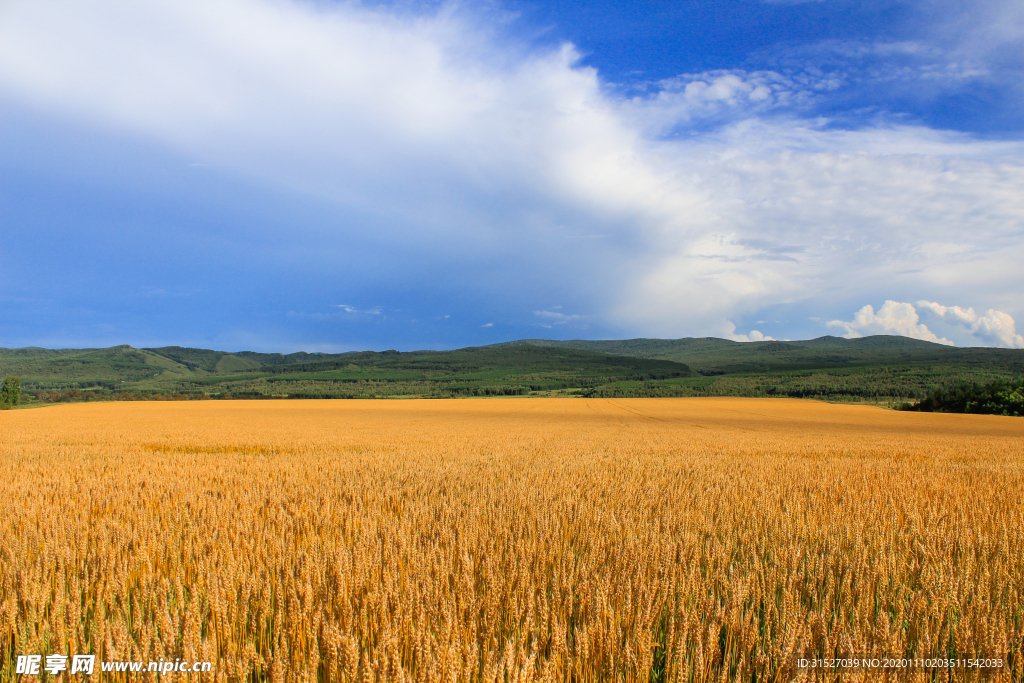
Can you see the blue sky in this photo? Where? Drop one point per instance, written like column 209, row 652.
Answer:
column 280, row 175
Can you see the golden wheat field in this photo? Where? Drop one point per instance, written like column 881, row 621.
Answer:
column 511, row 540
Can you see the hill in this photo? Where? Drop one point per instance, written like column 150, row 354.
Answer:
column 222, row 361
column 79, row 368
column 877, row 369
column 881, row 369
column 709, row 355
column 77, row 374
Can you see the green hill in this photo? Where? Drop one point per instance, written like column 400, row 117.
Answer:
column 99, row 373
column 83, row 368
column 881, row 369
column 708, row 355
column 221, row 361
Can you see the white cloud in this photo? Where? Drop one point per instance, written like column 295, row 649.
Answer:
column 755, row 335
column 367, row 311
column 714, row 95
column 551, row 318
column 995, row 327
column 557, row 318
column 800, row 211
column 464, row 146
column 752, row 336
column 892, row 318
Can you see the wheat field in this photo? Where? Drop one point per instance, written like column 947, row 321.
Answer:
column 511, row 540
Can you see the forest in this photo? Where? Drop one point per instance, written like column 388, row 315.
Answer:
column 891, row 371
column 996, row 398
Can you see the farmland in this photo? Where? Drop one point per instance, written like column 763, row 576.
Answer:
column 715, row 539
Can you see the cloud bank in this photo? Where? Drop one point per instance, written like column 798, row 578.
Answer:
column 995, row 328
column 674, row 212
column 894, row 318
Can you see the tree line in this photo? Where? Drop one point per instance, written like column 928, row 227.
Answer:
column 995, row 398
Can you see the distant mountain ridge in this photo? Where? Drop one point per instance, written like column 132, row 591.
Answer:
column 827, row 367
column 473, row 371
column 658, row 346
column 219, row 361
column 711, row 355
